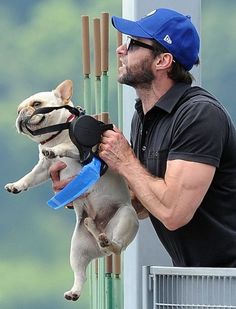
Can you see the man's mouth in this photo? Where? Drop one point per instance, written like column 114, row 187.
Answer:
column 122, row 67
column 122, row 62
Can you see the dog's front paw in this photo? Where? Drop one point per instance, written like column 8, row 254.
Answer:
column 14, row 188
column 49, row 153
column 89, row 223
column 72, row 295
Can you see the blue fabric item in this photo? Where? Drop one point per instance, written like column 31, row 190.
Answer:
column 86, row 178
column 171, row 29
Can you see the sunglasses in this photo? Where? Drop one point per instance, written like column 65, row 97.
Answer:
column 130, row 43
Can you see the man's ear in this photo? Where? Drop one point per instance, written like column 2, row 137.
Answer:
column 163, row 61
column 64, row 91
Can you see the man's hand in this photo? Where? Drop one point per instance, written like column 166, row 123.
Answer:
column 117, row 153
column 115, row 150
column 54, row 171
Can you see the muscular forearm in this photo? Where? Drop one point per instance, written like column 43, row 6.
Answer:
column 174, row 199
column 150, row 191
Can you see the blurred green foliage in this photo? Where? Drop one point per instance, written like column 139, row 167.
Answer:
column 40, row 47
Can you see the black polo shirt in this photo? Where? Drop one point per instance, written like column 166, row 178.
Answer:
column 188, row 123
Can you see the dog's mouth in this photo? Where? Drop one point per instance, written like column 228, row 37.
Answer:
column 31, row 123
column 35, row 121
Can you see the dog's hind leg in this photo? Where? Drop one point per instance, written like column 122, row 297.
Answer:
column 79, row 268
column 83, row 250
column 92, row 229
column 103, row 242
column 122, row 228
column 106, row 242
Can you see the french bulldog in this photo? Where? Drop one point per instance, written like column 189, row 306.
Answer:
column 106, row 222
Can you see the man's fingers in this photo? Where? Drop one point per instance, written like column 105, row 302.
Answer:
column 116, row 129
column 109, row 133
column 57, row 186
column 55, row 170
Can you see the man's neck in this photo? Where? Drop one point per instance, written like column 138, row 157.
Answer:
column 149, row 96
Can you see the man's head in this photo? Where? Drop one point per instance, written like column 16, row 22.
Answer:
column 174, row 31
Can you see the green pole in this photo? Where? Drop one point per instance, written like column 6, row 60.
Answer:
column 108, row 282
column 108, row 290
column 118, row 302
column 117, row 283
column 101, row 283
column 97, row 63
column 105, row 118
column 95, row 285
column 89, row 108
column 104, row 65
column 98, row 95
column 104, row 96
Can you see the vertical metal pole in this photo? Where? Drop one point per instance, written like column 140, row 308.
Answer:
column 89, row 109
column 108, row 282
column 101, row 283
column 105, row 119
column 147, row 291
column 119, row 87
column 94, row 291
column 86, row 64
column 97, row 63
column 117, row 284
column 104, row 65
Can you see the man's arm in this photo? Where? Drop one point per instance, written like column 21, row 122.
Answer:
column 174, row 199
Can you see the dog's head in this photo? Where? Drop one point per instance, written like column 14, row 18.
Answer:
column 57, row 97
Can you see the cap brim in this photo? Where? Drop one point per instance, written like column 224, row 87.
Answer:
column 129, row 27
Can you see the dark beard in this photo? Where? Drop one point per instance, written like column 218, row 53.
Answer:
column 139, row 76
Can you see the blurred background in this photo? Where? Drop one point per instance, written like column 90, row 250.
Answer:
column 40, row 47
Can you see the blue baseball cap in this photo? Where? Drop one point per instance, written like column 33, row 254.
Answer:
column 171, row 29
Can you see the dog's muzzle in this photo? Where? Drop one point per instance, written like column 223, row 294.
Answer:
column 25, row 120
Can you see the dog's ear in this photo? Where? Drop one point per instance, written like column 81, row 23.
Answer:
column 64, row 91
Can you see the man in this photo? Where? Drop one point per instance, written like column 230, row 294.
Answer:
column 181, row 165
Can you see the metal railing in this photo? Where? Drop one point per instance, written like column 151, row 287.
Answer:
column 174, row 287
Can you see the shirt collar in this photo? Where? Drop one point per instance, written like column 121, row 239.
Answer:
column 168, row 101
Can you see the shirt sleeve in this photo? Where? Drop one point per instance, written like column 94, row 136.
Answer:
column 199, row 133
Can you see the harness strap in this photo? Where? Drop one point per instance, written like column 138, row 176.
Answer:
column 58, row 127
column 55, row 135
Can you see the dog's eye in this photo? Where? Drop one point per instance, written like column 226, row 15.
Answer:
column 36, row 104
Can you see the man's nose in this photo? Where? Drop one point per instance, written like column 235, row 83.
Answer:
column 122, row 49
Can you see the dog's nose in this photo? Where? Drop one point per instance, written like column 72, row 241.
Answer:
column 26, row 111
column 23, row 116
